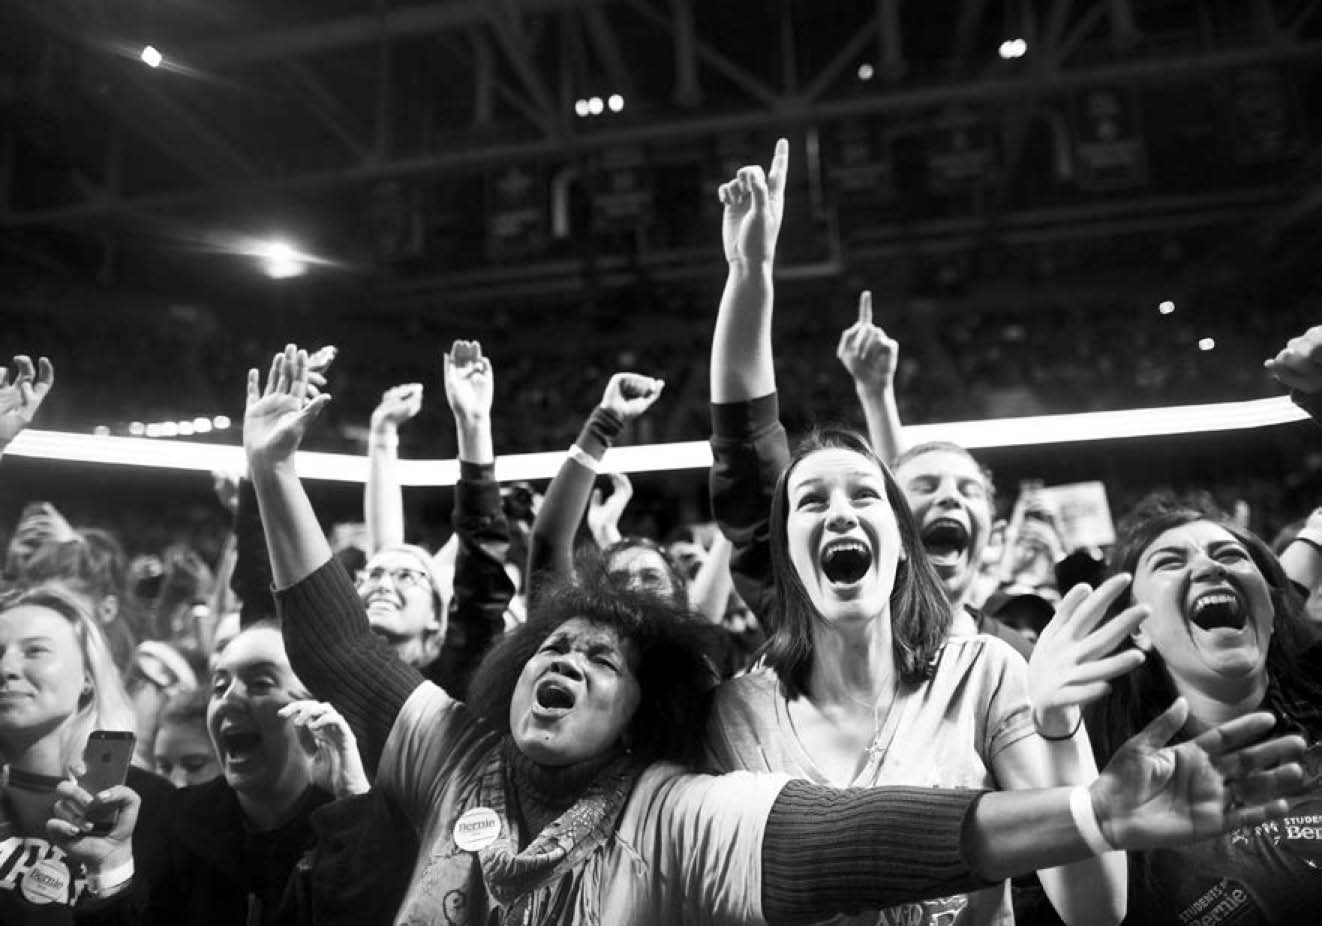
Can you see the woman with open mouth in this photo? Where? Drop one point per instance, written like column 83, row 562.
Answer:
column 1226, row 631
column 862, row 683
column 559, row 795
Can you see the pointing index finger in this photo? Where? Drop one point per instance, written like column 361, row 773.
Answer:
column 865, row 307
column 780, row 162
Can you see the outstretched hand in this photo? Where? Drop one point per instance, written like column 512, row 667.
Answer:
column 1299, row 363
column 1152, row 795
column 21, row 396
column 327, row 737
column 1070, row 665
column 754, row 205
column 604, row 513
column 469, row 381
column 630, row 394
column 276, row 419
column 866, row 352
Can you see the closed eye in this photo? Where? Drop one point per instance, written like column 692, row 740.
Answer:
column 1166, row 562
column 923, row 484
column 809, row 501
column 1232, row 555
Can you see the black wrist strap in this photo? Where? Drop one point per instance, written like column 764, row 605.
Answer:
column 1063, row 737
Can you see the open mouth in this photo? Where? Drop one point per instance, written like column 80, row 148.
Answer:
column 553, row 696
column 238, row 744
column 1218, row 609
column 845, row 562
column 945, row 541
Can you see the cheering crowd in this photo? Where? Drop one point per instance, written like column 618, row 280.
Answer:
column 809, row 716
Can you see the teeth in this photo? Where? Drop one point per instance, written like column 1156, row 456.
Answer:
column 845, row 545
column 1216, row 599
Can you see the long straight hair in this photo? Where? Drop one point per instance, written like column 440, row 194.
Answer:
column 920, row 612
column 106, row 706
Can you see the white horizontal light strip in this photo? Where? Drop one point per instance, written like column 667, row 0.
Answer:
column 999, row 432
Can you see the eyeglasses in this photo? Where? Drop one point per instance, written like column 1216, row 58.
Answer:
column 402, row 578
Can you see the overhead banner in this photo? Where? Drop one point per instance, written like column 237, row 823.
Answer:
column 516, row 201
column 859, row 163
column 622, row 188
column 1265, row 121
column 1109, row 149
column 961, row 152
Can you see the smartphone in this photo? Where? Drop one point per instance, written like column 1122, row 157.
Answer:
column 106, row 764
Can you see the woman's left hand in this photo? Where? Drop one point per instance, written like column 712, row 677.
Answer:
column 71, row 828
column 1070, row 666
column 336, row 765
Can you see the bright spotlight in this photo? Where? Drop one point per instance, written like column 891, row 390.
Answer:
column 151, row 57
column 281, row 260
column 1013, row 48
column 202, row 425
column 169, row 429
column 1166, row 307
column 581, row 108
column 137, row 428
column 865, row 71
column 1206, row 344
column 153, row 430
column 596, row 106
column 101, row 431
column 616, row 103
column 221, row 422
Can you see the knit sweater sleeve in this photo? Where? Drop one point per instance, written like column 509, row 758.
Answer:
column 904, row 845
column 749, row 451
column 333, row 650
column 551, row 548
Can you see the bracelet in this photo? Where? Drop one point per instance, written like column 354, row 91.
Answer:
column 106, row 882
column 1085, row 821
column 1299, row 538
column 1059, row 739
column 583, row 458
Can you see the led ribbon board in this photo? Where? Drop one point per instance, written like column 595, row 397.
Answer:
column 999, row 432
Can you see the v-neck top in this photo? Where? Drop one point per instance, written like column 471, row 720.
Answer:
column 942, row 733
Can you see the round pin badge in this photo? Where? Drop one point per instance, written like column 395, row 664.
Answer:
column 476, row 829
column 46, row 882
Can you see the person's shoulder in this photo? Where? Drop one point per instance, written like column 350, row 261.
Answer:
column 754, row 690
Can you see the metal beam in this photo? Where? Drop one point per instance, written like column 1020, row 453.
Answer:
column 862, row 37
column 607, row 48
column 508, row 26
column 328, row 110
column 352, row 31
column 793, row 111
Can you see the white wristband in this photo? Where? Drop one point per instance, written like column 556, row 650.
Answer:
column 583, row 458
column 108, row 881
column 1085, row 820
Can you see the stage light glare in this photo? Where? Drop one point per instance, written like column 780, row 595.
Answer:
column 202, row 425
column 151, row 57
column 1206, row 344
column 284, row 269
column 153, row 430
column 1166, row 307
column 615, row 102
column 865, row 71
column 221, row 422
column 596, row 106
column 1013, row 48
column 137, row 428
column 169, row 429
column 581, row 108
column 101, row 431
column 185, row 428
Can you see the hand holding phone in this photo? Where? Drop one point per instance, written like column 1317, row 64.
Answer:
column 106, row 761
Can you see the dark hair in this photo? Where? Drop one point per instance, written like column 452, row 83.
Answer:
column 94, row 559
column 679, row 583
column 1137, row 698
column 920, row 611
column 674, row 670
column 945, row 446
column 187, row 707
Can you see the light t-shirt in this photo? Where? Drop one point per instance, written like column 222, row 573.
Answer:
column 687, row 848
column 943, row 733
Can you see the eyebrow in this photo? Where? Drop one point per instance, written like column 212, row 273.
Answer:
column 1215, row 546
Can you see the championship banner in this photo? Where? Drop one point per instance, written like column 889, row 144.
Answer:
column 961, row 152
column 859, row 163
column 1265, row 121
column 622, row 189
column 1109, row 149
column 516, row 205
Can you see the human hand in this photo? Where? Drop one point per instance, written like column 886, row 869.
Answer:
column 398, row 404
column 1298, row 365
column 754, row 205
column 1151, row 795
column 325, row 734
column 21, row 396
column 866, row 352
column 604, row 514
column 226, row 486
column 71, row 827
column 1070, row 665
column 469, row 381
column 275, row 420
column 630, row 394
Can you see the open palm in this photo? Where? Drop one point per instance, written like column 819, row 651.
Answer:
column 275, row 420
column 21, row 396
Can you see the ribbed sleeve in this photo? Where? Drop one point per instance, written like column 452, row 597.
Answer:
column 831, row 851
column 333, row 650
column 749, row 451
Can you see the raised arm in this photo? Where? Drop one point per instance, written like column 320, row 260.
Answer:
column 604, row 512
column 331, row 646
column 22, row 390
column 1298, row 367
column 383, row 499
column 1302, row 557
column 749, row 446
column 871, row 357
column 551, row 547
column 482, row 587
